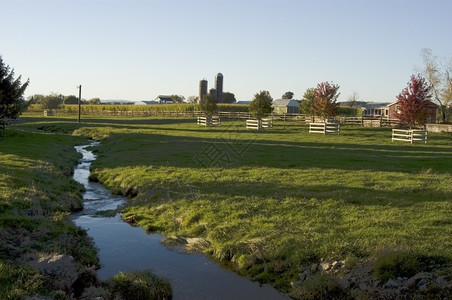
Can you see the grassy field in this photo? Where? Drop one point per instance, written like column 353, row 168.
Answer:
column 273, row 202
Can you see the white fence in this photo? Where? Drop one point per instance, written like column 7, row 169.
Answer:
column 324, row 128
column 209, row 121
column 409, row 135
column 259, row 124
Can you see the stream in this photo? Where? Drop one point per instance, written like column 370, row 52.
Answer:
column 127, row 249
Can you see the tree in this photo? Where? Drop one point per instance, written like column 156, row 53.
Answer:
column 192, row 99
column 71, row 99
column 94, row 101
column 52, row 101
column 287, row 95
column 35, row 99
column 261, row 106
column 228, row 97
column 440, row 79
column 177, row 98
column 352, row 101
column 208, row 105
column 12, row 91
column 414, row 102
column 325, row 97
column 307, row 101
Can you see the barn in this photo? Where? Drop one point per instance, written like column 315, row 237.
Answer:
column 286, row 106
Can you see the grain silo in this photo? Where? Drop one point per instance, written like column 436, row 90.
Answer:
column 219, row 86
column 202, row 89
column 213, row 93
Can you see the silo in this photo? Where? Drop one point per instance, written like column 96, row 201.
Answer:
column 202, row 89
column 219, row 86
column 213, row 93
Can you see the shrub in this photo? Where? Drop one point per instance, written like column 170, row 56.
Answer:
column 393, row 264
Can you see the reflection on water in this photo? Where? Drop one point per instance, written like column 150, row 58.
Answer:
column 126, row 248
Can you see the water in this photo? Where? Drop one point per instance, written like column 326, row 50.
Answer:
column 126, row 248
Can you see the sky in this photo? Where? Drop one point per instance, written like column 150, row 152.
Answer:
column 136, row 49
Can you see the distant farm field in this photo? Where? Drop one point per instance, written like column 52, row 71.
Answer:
column 275, row 201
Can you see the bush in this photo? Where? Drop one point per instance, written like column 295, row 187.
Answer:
column 393, row 264
column 139, row 285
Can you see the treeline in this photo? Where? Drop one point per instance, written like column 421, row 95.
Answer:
column 55, row 101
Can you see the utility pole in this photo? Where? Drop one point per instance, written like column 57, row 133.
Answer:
column 79, row 101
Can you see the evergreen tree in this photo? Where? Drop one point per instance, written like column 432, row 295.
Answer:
column 12, row 91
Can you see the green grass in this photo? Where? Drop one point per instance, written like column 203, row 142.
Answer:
column 276, row 201
column 37, row 195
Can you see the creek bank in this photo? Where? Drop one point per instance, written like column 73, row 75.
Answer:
column 360, row 282
column 124, row 248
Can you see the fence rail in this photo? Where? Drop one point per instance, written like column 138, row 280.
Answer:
column 209, row 121
column 259, row 124
column 324, row 128
column 409, row 135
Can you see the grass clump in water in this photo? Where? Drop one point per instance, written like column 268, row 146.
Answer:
column 139, row 286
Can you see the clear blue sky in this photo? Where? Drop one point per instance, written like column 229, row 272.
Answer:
column 136, row 50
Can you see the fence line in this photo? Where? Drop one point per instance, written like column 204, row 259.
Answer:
column 237, row 115
column 409, row 135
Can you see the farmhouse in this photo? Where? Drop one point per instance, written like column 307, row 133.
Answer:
column 164, row 99
column 375, row 109
column 394, row 111
column 286, row 106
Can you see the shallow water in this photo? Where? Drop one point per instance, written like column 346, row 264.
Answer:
column 126, row 248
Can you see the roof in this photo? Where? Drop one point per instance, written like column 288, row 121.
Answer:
column 285, row 102
column 243, row 102
column 374, row 105
column 164, row 97
column 431, row 104
column 146, row 102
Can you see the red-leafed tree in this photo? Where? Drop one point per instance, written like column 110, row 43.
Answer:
column 325, row 97
column 414, row 102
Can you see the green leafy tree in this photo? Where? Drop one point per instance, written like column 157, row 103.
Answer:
column 228, row 97
column 287, row 95
column 35, row 99
column 71, row 99
column 177, row 98
column 325, row 97
column 52, row 101
column 208, row 105
column 261, row 106
column 307, row 101
column 12, row 91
